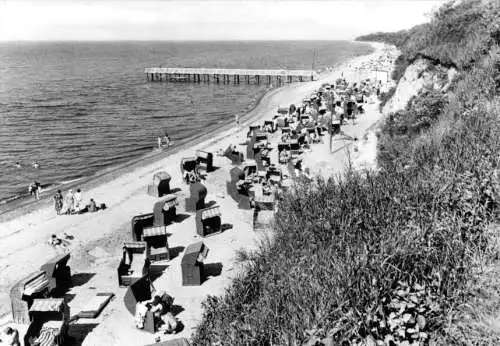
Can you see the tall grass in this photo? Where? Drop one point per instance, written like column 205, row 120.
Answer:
column 382, row 256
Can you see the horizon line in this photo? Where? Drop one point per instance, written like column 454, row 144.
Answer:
column 180, row 40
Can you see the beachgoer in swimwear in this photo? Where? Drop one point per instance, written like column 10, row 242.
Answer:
column 35, row 164
column 159, row 142
column 17, row 165
column 58, row 202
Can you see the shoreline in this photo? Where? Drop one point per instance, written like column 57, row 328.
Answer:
column 123, row 190
column 16, row 206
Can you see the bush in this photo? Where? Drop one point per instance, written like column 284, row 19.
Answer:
column 383, row 256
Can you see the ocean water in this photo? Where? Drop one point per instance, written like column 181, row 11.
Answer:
column 80, row 107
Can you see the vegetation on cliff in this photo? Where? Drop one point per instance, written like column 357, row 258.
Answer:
column 382, row 257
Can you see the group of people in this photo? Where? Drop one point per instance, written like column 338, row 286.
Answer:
column 73, row 203
column 161, row 308
column 164, row 141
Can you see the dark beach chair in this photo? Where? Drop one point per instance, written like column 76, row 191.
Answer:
column 196, row 199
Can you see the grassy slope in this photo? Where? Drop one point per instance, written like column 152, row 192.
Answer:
column 385, row 256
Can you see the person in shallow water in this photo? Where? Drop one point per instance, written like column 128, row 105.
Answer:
column 17, row 164
column 35, row 164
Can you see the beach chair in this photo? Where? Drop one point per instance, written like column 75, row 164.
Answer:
column 58, row 274
column 263, row 211
column 205, row 160
column 250, row 168
column 259, row 161
column 135, row 263
column 140, row 291
column 294, row 148
column 165, row 211
column 157, row 243
column 208, row 221
column 269, row 126
column 196, row 199
column 260, row 137
column 240, row 195
column 235, row 156
column 190, row 166
column 24, row 292
column 252, row 148
column 160, row 185
column 139, row 222
column 274, row 175
column 252, row 129
column 49, row 322
column 192, row 264
column 284, row 152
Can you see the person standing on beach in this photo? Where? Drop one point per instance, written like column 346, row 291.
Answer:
column 77, row 200
column 58, row 202
column 159, row 142
column 34, row 189
column 237, row 120
column 69, row 201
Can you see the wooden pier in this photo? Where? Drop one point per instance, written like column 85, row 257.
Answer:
column 197, row 75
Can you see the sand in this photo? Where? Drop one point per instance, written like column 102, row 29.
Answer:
column 97, row 245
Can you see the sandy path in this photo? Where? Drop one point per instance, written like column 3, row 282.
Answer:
column 98, row 236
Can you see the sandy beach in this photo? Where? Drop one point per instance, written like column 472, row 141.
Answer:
column 98, row 237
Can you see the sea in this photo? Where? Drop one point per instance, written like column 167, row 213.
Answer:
column 78, row 108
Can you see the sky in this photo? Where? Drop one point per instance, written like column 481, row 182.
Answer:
column 103, row 20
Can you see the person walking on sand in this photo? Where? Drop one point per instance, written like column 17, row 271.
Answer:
column 58, row 202
column 159, row 142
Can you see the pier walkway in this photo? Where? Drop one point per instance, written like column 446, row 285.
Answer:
column 197, row 75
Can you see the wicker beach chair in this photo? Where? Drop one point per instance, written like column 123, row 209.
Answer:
column 135, row 263
column 58, row 274
column 205, row 160
column 236, row 157
column 49, row 322
column 160, row 185
column 192, row 264
column 208, row 221
column 24, row 292
column 263, row 211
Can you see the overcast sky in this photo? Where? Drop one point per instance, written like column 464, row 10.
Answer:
column 206, row 20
